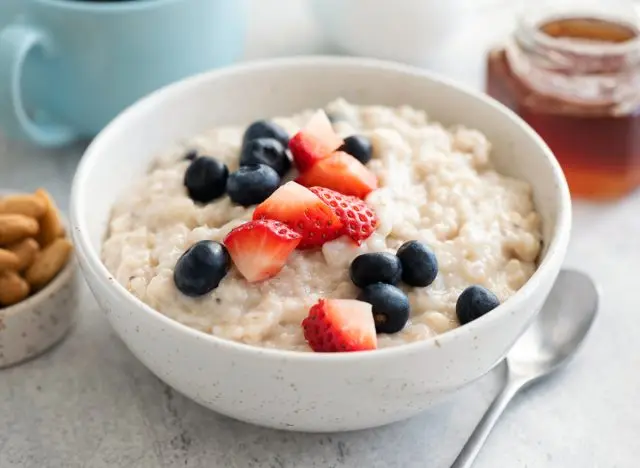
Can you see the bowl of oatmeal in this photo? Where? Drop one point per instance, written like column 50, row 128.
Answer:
column 319, row 257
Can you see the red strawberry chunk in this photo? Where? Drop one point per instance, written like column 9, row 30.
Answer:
column 341, row 172
column 358, row 219
column 335, row 325
column 259, row 249
column 302, row 211
column 316, row 141
column 307, row 150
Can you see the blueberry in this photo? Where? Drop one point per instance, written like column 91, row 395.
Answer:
column 390, row 306
column 378, row 267
column 201, row 268
column 474, row 302
column 191, row 155
column 359, row 147
column 206, row 179
column 265, row 129
column 253, row 184
column 267, row 151
column 419, row 263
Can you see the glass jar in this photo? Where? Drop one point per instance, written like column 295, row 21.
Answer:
column 572, row 71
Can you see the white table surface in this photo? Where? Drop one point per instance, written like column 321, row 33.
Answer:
column 90, row 403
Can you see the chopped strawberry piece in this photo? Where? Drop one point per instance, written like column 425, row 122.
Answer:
column 341, row 172
column 302, row 211
column 335, row 325
column 358, row 219
column 316, row 141
column 320, row 127
column 307, row 150
column 259, row 249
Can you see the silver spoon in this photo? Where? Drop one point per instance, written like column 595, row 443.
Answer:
column 552, row 339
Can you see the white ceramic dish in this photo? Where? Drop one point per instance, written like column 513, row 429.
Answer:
column 32, row 326
column 307, row 391
column 450, row 37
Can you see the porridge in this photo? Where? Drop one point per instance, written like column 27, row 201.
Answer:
column 404, row 228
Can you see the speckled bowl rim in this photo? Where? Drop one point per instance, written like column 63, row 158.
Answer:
column 61, row 279
column 92, row 263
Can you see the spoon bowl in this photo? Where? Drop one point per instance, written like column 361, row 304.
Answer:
column 553, row 337
column 558, row 331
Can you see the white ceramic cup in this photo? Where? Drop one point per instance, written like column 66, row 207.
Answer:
column 295, row 390
column 450, row 37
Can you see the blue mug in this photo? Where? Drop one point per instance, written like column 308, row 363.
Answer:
column 67, row 67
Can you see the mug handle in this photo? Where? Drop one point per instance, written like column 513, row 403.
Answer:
column 16, row 42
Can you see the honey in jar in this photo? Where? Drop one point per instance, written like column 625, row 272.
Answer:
column 574, row 76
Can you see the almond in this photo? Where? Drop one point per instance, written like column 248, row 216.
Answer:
column 48, row 263
column 8, row 260
column 26, row 251
column 50, row 225
column 13, row 288
column 28, row 205
column 15, row 227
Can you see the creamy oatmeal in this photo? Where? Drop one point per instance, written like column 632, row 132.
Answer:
column 437, row 186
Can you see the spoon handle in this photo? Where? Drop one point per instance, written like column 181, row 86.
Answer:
column 480, row 434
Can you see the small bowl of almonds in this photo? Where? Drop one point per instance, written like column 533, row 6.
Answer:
column 38, row 280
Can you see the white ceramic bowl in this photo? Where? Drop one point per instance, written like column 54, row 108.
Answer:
column 34, row 325
column 448, row 36
column 307, row 391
